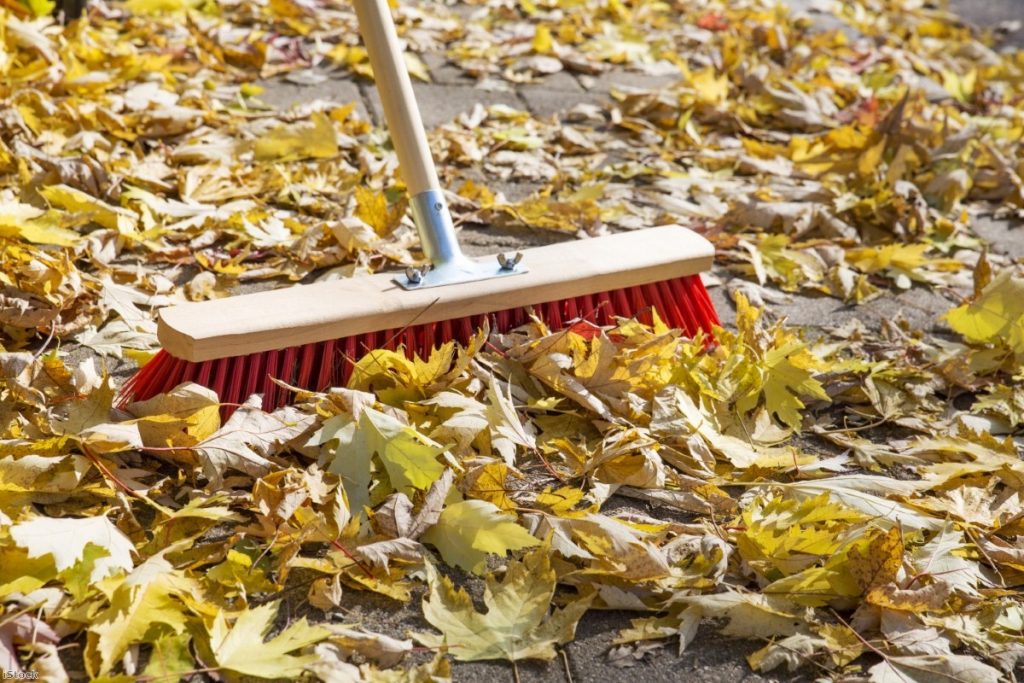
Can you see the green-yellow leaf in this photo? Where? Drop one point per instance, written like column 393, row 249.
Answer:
column 409, row 457
column 98, row 211
column 468, row 530
column 515, row 626
column 996, row 317
column 240, row 647
column 146, row 603
column 313, row 139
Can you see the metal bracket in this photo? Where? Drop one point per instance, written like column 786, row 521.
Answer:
column 456, row 272
column 448, row 265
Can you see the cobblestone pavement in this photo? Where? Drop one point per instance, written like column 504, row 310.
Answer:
column 710, row 657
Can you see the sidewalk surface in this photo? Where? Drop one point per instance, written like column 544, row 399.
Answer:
column 710, row 657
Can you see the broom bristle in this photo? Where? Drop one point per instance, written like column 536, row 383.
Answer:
column 681, row 303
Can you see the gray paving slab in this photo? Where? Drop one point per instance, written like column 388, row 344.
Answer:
column 444, row 72
column 282, row 94
column 990, row 14
column 625, row 80
column 1005, row 236
column 440, row 103
column 555, row 94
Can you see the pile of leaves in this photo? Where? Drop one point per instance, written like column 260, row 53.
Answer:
column 851, row 497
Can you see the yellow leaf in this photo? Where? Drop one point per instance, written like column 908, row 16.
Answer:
column 488, row 483
column 313, row 139
column 32, row 224
column 161, row 6
column 467, row 531
column 542, row 42
column 409, row 457
column 518, row 623
column 180, row 418
column 151, row 597
column 996, row 317
column 417, row 69
column 878, row 564
column 241, row 648
column 372, row 209
column 711, row 88
column 98, row 211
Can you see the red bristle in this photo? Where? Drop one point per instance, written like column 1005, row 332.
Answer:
column 253, row 373
column 289, row 364
column 307, row 359
column 220, row 375
column 271, row 372
column 205, row 372
column 236, row 375
column 327, row 366
column 682, row 303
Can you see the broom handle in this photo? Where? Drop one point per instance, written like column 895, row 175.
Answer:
column 429, row 209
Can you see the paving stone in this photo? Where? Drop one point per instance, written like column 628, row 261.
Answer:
column 440, row 103
column 991, row 13
column 554, row 94
column 621, row 79
column 1005, row 236
column 922, row 308
column 284, row 95
column 444, row 72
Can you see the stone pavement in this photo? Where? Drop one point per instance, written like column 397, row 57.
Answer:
column 710, row 657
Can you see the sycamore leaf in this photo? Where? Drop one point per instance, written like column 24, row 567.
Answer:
column 248, row 438
column 750, row 615
column 467, row 531
column 933, row 669
column 314, row 139
column 182, row 417
column 409, row 457
column 940, row 558
column 148, row 596
column 996, row 317
column 241, row 648
column 517, row 624
column 28, row 222
column 170, row 657
column 111, row 217
column 372, row 209
column 66, row 538
column 878, row 564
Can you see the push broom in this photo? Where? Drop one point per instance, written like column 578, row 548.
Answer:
column 310, row 335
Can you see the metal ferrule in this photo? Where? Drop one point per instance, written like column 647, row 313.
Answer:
column 437, row 233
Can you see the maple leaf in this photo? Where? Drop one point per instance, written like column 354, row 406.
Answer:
column 65, row 539
column 467, row 531
column 517, row 624
column 241, row 648
column 182, row 417
column 409, row 457
column 249, row 436
column 372, row 209
column 150, row 595
column 928, row 668
column 314, row 139
column 996, row 317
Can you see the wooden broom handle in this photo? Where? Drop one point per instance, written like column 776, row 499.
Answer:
column 400, row 111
